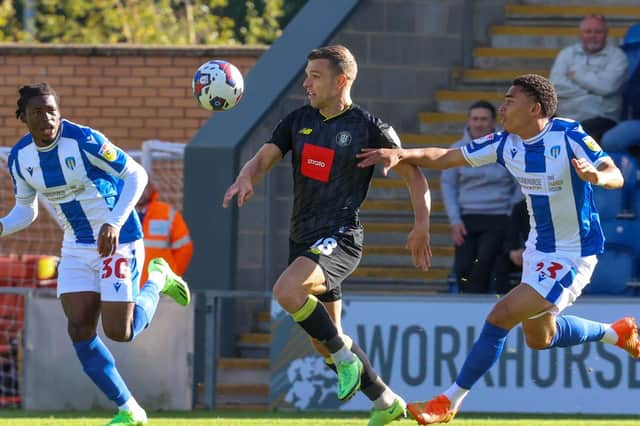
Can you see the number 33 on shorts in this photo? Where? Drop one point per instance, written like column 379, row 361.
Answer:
column 324, row 246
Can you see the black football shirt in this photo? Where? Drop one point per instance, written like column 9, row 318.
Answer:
column 328, row 186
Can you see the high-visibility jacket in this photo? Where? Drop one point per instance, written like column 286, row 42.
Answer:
column 165, row 235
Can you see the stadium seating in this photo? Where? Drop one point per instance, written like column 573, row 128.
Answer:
column 613, row 272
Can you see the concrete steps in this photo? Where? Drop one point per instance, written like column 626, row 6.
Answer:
column 439, row 122
column 243, row 371
column 254, row 345
column 240, row 395
column 458, row 101
column 548, row 37
column 549, row 11
column 415, row 140
column 513, row 58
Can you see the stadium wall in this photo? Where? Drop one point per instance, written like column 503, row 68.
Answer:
column 130, row 93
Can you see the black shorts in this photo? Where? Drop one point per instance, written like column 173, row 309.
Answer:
column 338, row 254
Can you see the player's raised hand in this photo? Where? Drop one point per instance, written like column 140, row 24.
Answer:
column 389, row 158
column 108, row 240
column 585, row 170
column 418, row 244
column 242, row 189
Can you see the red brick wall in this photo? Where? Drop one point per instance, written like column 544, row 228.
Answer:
column 130, row 94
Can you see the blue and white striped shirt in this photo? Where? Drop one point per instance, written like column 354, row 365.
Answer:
column 81, row 175
column 562, row 212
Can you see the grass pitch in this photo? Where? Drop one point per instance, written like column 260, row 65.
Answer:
column 229, row 418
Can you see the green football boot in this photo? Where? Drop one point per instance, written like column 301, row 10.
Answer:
column 126, row 418
column 385, row 416
column 174, row 286
column 349, row 373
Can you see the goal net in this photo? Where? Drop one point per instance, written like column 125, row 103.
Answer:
column 28, row 258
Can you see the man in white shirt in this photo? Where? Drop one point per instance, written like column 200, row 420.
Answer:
column 556, row 163
column 588, row 77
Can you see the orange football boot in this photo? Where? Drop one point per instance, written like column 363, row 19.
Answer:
column 627, row 332
column 438, row 410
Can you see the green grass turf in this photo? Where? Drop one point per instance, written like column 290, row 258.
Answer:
column 231, row 418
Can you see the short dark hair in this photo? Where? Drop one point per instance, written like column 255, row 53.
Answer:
column 541, row 90
column 340, row 57
column 484, row 105
column 31, row 91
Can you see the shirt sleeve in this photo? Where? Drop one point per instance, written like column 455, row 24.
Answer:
column 584, row 146
column 281, row 135
column 485, row 150
column 105, row 155
column 135, row 179
column 383, row 135
column 23, row 192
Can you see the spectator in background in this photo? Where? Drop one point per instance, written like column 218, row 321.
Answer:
column 588, row 77
column 626, row 135
column 478, row 201
column 166, row 234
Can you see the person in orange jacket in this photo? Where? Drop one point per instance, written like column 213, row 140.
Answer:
column 166, row 233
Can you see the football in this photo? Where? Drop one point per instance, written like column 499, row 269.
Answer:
column 217, row 85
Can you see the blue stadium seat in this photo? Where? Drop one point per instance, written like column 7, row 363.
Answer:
column 620, row 234
column 631, row 89
column 608, row 202
column 631, row 46
column 614, row 270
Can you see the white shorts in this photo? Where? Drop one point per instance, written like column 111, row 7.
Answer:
column 116, row 278
column 559, row 278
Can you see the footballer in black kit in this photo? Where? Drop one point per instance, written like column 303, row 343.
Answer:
column 328, row 187
column 326, row 235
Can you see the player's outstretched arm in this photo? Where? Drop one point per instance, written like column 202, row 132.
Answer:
column 21, row 216
column 431, row 158
column 418, row 238
column 606, row 175
column 252, row 173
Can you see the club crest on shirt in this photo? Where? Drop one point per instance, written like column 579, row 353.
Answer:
column 108, row 152
column 591, row 143
column 554, row 151
column 343, row 138
column 70, row 162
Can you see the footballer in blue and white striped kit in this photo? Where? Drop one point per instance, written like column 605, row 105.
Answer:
column 93, row 187
column 556, row 163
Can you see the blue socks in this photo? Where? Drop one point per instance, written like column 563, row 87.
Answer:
column 100, row 366
column 571, row 331
column 484, row 353
column 146, row 304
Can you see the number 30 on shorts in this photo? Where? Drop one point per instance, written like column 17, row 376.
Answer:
column 324, row 246
column 115, row 266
